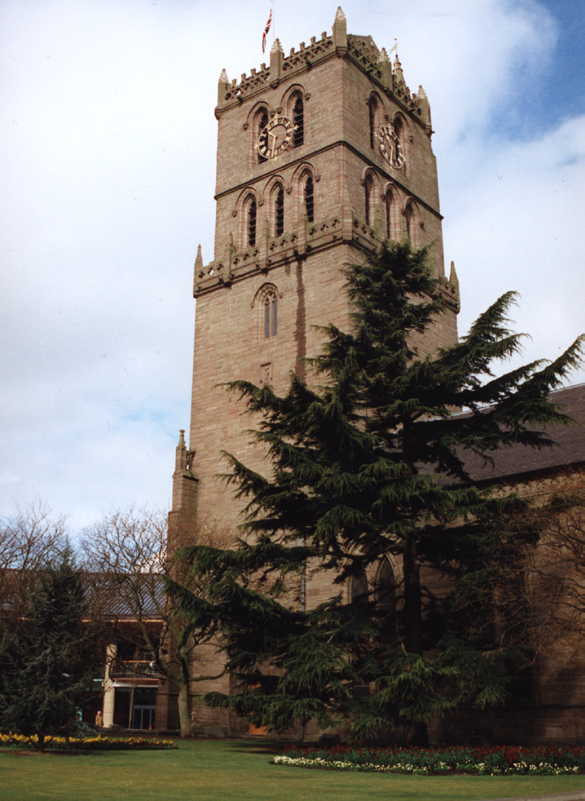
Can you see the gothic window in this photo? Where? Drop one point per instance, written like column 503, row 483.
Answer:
column 373, row 112
column 359, row 594
column 386, row 602
column 401, row 131
column 251, row 219
column 392, row 204
column 309, row 199
column 369, row 198
column 270, row 314
column 266, row 303
column 262, row 119
column 279, row 211
column 298, row 118
column 359, row 588
column 410, row 216
column 389, row 200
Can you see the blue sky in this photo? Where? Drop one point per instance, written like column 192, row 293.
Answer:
column 107, row 167
column 558, row 92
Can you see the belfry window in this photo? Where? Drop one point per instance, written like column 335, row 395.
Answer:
column 409, row 217
column 298, row 122
column 389, row 214
column 398, row 130
column 262, row 123
column 279, row 212
column 309, row 199
column 270, row 315
column 401, row 131
column 369, row 197
column 251, row 222
column 373, row 111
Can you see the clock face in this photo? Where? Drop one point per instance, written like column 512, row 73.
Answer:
column 275, row 137
column 390, row 147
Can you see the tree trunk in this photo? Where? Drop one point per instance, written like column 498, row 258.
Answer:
column 185, row 723
column 413, row 638
column 418, row 735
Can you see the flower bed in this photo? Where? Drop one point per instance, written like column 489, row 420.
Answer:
column 89, row 743
column 483, row 761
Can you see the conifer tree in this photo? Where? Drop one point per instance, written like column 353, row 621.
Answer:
column 366, row 470
column 49, row 662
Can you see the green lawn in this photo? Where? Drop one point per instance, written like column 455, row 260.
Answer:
column 236, row 769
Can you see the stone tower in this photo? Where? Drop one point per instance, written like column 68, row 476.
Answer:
column 321, row 154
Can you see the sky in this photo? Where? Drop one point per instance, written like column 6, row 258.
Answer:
column 107, row 168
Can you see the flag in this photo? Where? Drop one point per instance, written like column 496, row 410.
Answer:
column 266, row 29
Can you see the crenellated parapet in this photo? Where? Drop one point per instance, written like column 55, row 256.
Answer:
column 309, row 238
column 280, row 67
column 361, row 50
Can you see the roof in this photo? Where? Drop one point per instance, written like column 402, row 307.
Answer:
column 117, row 595
column 520, row 460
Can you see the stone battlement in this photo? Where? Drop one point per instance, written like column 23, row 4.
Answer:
column 361, row 50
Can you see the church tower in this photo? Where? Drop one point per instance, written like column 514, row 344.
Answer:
column 321, row 154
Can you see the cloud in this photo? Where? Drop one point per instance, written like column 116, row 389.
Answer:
column 108, row 169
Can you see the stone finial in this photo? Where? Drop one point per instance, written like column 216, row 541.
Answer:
column 398, row 74
column 198, row 271
column 425, row 106
column 340, row 32
column 453, row 278
column 198, row 260
column 385, row 67
column 222, row 87
column 276, row 61
column 181, row 453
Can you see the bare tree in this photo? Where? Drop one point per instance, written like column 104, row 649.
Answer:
column 128, row 556
column 31, row 539
column 555, row 568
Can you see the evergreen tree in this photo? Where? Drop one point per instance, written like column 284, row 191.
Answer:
column 368, row 464
column 49, row 661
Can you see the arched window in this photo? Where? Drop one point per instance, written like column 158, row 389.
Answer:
column 389, row 203
column 251, row 222
column 359, row 589
column 409, row 217
column 270, row 314
column 266, row 303
column 386, row 602
column 369, row 198
column 298, row 116
column 373, row 112
column 262, row 120
column 309, row 199
column 393, row 215
column 279, row 211
column 401, row 131
column 386, row 588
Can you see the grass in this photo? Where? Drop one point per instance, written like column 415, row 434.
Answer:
column 239, row 770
